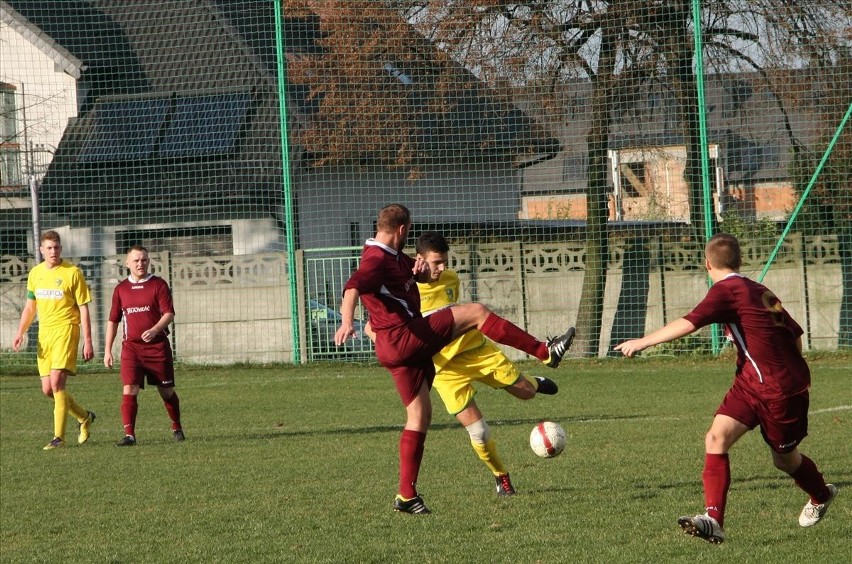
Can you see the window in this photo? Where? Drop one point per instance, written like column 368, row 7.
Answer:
column 10, row 149
column 634, row 182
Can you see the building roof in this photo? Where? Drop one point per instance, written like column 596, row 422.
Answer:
column 753, row 127
column 160, row 73
column 61, row 56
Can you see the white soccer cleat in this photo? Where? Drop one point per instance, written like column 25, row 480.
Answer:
column 703, row 527
column 812, row 514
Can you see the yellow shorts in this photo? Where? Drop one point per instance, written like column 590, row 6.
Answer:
column 57, row 349
column 486, row 364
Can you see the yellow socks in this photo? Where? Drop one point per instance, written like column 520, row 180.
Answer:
column 487, row 453
column 60, row 412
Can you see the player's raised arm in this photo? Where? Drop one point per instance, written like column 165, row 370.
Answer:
column 674, row 330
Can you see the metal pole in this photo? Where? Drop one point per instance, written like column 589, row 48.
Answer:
column 289, row 223
column 715, row 333
column 35, row 216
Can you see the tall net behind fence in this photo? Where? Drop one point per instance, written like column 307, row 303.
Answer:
column 577, row 156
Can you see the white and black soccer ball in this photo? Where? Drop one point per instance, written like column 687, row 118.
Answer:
column 547, row 439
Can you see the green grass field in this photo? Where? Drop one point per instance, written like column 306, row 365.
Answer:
column 299, row 464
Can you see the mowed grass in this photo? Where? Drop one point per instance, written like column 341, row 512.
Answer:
column 299, row 464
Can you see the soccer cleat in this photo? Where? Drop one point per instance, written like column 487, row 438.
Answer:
column 414, row 505
column 55, row 443
column 558, row 346
column 127, row 440
column 504, row 485
column 546, row 386
column 812, row 514
column 179, row 436
column 85, row 426
column 703, row 527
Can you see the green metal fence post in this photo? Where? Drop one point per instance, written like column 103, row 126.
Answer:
column 289, row 227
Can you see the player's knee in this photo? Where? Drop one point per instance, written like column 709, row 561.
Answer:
column 478, row 312
column 714, row 442
column 787, row 462
column 479, row 432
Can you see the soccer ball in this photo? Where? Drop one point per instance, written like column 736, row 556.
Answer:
column 547, row 439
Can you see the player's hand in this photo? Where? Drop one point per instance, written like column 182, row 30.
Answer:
column 343, row 332
column 420, row 267
column 108, row 359
column 88, row 351
column 630, row 348
column 16, row 344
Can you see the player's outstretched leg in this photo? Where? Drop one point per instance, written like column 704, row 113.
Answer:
column 814, row 512
column 703, row 527
column 558, row 346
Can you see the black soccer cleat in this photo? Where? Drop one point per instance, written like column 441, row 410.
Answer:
column 504, row 485
column 558, row 346
column 179, row 436
column 126, row 440
column 415, row 505
column 546, row 386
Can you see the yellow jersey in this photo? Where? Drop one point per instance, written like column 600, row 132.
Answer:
column 438, row 295
column 58, row 292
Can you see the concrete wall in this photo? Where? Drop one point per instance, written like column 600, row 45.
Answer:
column 237, row 309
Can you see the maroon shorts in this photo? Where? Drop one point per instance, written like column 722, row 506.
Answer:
column 783, row 423
column 407, row 351
column 151, row 362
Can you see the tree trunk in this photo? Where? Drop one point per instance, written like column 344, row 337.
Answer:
column 587, row 342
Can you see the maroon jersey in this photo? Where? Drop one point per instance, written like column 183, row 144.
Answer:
column 386, row 284
column 768, row 361
column 140, row 305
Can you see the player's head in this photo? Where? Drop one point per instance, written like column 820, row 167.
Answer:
column 723, row 252
column 137, row 261
column 50, row 247
column 431, row 241
column 433, row 248
column 394, row 222
column 393, row 216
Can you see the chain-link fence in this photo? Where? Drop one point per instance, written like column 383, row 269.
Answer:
column 577, row 155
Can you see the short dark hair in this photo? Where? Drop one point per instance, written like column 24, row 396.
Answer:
column 723, row 251
column 137, row 248
column 392, row 216
column 431, row 242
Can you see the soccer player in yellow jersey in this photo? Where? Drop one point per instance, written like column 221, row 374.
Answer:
column 470, row 358
column 57, row 291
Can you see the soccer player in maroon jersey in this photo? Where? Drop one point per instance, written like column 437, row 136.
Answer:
column 385, row 282
column 770, row 387
column 143, row 302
